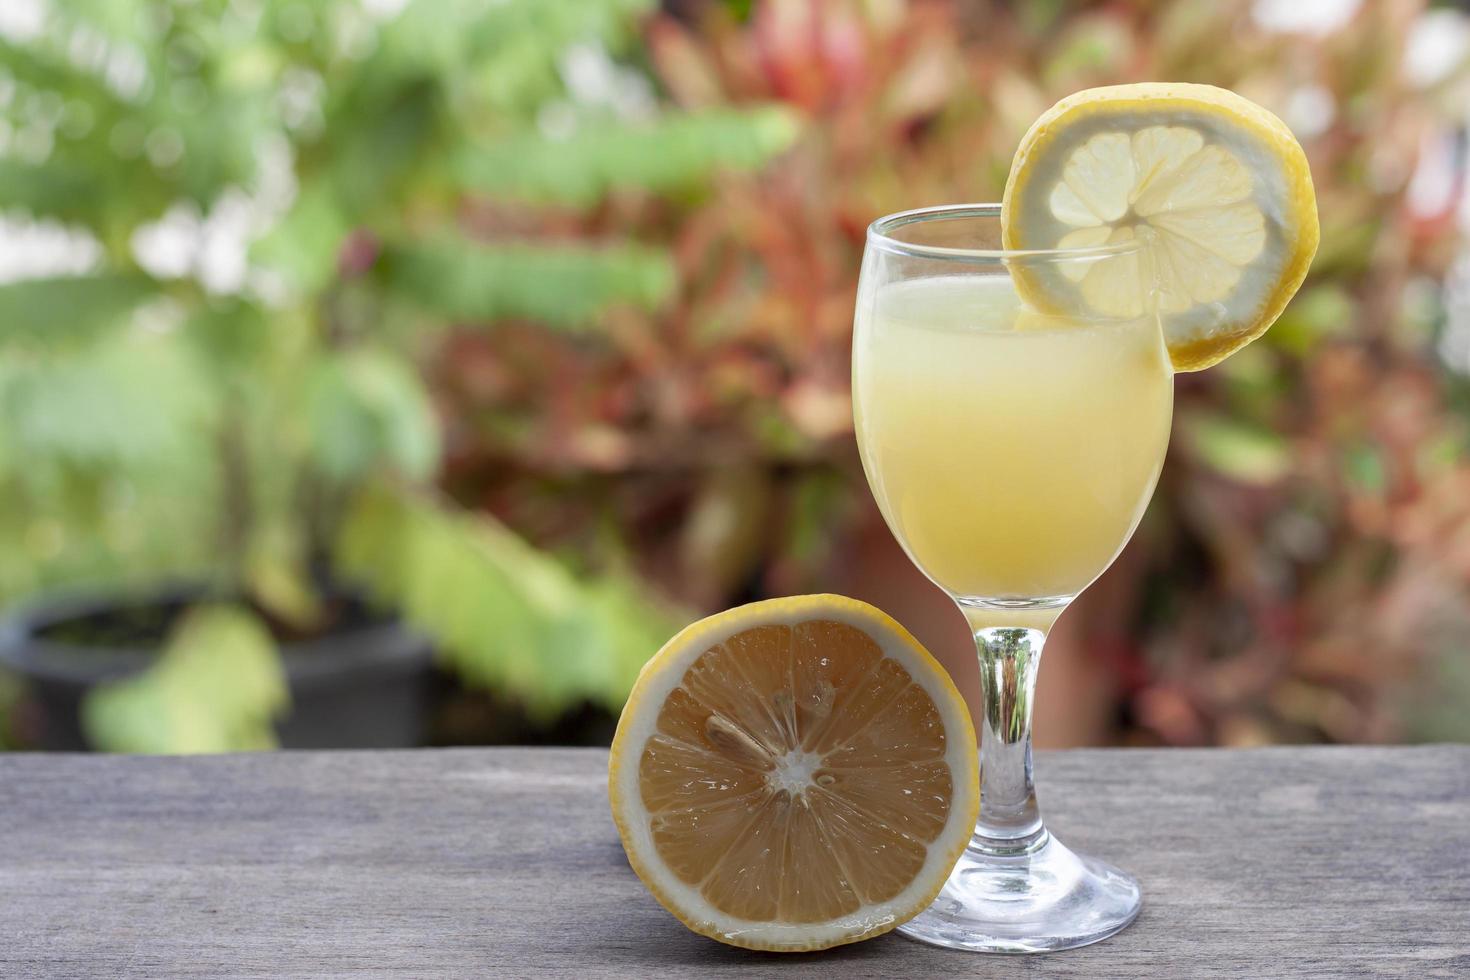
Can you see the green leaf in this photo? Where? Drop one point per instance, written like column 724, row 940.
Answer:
column 277, row 575
column 563, row 286
column 124, row 21
column 303, row 247
column 131, row 400
column 1312, row 316
column 1238, row 451
column 503, row 614
column 233, row 335
column 43, row 64
column 58, row 189
column 385, row 118
column 215, row 688
column 665, row 155
column 221, row 147
column 369, row 408
column 1364, row 468
column 821, row 502
column 504, row 53
column 105, row 156
column 67, row 309
column 375, row 148
column 635, row 627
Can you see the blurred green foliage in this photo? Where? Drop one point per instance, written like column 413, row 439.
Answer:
column 515, row 619
column 215, row 688
column 177, row 413
column 1302, row 573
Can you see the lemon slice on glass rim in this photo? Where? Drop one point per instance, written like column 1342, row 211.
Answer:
column 794, row 774
column 1214, row 188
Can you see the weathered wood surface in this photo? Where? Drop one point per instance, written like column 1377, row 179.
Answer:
column 1312, row 862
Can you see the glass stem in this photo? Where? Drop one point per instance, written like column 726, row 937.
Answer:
column 1010, row 821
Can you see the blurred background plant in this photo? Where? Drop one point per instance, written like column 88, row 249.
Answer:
column 622, row 244
column 275, row 206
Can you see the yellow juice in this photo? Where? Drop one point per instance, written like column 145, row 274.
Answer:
column 1012, row 454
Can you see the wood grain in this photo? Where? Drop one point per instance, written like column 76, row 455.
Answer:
column 1302, row 862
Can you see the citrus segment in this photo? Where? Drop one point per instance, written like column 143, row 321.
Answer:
column 1204, row 198
column 794, row 774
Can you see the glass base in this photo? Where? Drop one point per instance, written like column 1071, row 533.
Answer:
column 1040, row 899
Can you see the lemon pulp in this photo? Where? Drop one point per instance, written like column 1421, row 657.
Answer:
column 794, row 774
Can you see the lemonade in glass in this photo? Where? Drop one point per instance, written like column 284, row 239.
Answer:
column 1012, row 453
column 1012, row 394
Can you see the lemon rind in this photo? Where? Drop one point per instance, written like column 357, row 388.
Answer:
column 1300, row 226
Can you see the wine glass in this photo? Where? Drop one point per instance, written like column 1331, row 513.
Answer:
column 1012, row 453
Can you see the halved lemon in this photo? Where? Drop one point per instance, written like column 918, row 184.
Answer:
column 794, row 774
column 1214, row 188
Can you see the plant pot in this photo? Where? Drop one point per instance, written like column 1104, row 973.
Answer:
column 361, row 684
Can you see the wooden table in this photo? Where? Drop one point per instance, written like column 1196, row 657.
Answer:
column 1310, row 862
